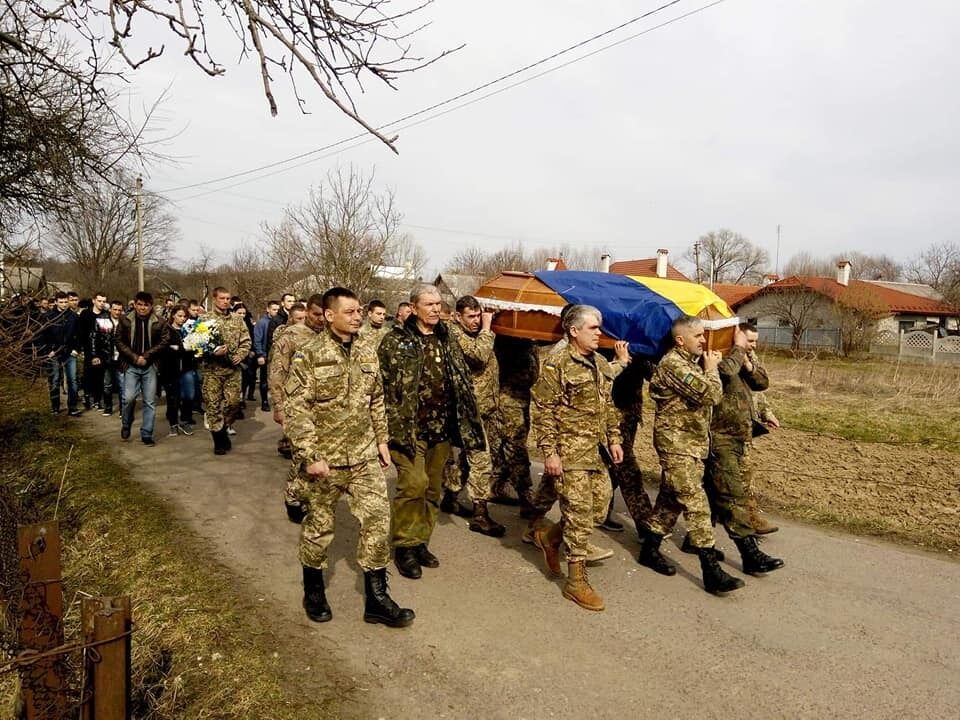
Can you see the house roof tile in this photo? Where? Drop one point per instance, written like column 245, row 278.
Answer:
column 646, row 267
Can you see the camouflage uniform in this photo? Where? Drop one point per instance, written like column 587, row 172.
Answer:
column 476, row 465
column 572, row 416
column 731, row 429
column 517, row 360
column 334, row 412
column 430, row 405
column 374, row 335
column 685, row 395
column 220, row 386
column 628, row 397
column 286, row 341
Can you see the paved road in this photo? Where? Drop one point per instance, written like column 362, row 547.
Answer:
column 851, row 627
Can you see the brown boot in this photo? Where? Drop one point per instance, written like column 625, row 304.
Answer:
column 577, row 587
column 760, row 524
column 548, row 538
column 482, row 523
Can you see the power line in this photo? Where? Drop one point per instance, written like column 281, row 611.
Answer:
column 440, row 104
column 366, row 138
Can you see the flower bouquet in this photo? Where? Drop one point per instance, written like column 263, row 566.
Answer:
column 202, row 337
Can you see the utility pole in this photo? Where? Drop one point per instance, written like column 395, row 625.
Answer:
column 139, row 235
column 696, row 255
column 777, row 264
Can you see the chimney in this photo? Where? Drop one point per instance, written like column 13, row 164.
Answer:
column 770, row 279
column 843, row 272
column 662, row 256
column 551, row 263
column 605, row 263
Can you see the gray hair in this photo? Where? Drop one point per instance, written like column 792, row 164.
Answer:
column 422, row 289
column 577, row 315
column 683, row 324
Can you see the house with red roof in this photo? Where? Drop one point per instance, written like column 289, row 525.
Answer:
column 658, row 266
column 830, row 306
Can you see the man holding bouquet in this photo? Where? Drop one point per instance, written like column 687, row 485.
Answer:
column 221, row 369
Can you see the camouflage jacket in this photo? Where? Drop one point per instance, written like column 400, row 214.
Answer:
column 401, row 362
column 286, row 341
column 685, row 395
column 478, row 351
column 235, row 336
column 334, row 408
column 734, row 415
column 374, row 334
column 518, row 366
column 572, row 413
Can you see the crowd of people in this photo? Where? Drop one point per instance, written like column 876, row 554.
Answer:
column 452, row 406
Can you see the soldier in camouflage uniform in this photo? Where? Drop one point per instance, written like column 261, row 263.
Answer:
column 685, row 396
column 731, row 429
column 472, row 332
column 220, row 387
column 518, row 364
column 336, row 422
column 430, row 406
column 763, row 413
column 573, row 415
column 287, row 340
column 375, row 327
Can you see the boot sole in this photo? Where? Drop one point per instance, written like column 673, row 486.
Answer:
column 377, row 620
column 667, row 572
column 321, row 618
column 766, row 531
column 585, row 607
column 492, row 532
column 720, row 593
column 756, row 572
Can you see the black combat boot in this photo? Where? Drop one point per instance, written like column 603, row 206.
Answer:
column 609, row 523
column 691, row 549
column 482, row 523
column 218, row 448
column 715, row 580
column 405, row 558
column 314, row 597
column 379, row 607
column 650, row 554
column 451, row 504
column 527, row 509
column 425, row 557
column 225, row 439
column 755, row 561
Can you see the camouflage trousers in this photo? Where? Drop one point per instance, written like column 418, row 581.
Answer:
column 474, row 465
column 724, row 484
column 416, row 502
column 366, row 491
column 681, row 490
column 221, row 395
column 584, row 496
column 628, row 477
column 295, row 489
column 510, row 454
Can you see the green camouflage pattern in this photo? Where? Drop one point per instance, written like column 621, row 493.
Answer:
column 509, row 448
column 220, row 389
column 724, row 481
column 286, row 341
column 685, row 396
column 627, row 475
column 334, row 408
column 484, row 371
column 433, row 409
column 584, row 496
column 681, row 490
column 734, row 415
column 366, row 491
column 572, row 413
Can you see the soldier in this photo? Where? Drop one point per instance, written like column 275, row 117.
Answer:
column 221, row 372
column 375, row 326
column 764, row 415
column 685, row 395
column 517, row 360
column 572, row 417
column 335, row 419
column 730, row 431
column 303, row 324
column 472, row 331
column 430, row 405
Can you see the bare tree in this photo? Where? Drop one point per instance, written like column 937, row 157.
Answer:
column 407, row 253
column 341, row 234
column 863, row 266
column 96, row 230
column 334, row 44
column 251, row 276
column 474, row 260
column 797, row 307
column 805, row 264
column 729, row 257
column 938, row 266
column 858, row 311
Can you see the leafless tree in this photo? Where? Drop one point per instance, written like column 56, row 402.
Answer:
column 96, row 230
column 333, row 44
column 342, row 234
column 474, row 260
column 251, row 276
column 405, row 252
column 805, row 264
column 797, row 307
column 938, row 266
column 729, row 257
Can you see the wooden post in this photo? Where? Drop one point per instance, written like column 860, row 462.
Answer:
column 44, row 683
column 108, row 665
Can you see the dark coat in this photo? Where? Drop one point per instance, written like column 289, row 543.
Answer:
column 59, row 334
column 159, row 340
column 401, row 361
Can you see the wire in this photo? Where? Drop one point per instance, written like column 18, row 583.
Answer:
column 452, row 99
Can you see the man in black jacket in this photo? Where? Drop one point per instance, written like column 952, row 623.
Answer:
column 86, row 329
column 141, row 337
column 58, row 344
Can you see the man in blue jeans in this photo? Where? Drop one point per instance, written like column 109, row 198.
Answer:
column 141, row 337
column 59, row 346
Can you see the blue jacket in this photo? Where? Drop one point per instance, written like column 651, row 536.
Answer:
column 260, row 346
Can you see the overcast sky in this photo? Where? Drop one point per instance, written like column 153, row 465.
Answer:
column 835, row 119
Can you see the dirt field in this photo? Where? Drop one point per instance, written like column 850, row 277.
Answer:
column 869, row 446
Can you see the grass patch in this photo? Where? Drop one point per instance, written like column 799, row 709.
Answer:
column 200, row 649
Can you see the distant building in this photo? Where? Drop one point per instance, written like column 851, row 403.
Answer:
column 658, row 266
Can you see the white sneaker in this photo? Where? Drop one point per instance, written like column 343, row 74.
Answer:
column 231, row 431
column 173, row 431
